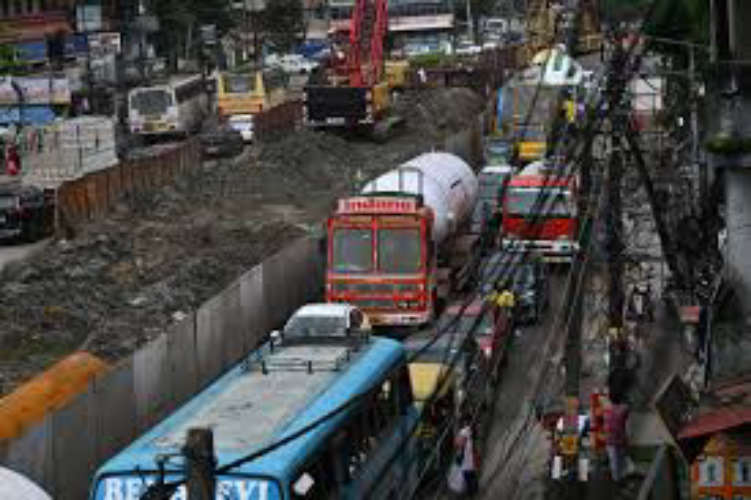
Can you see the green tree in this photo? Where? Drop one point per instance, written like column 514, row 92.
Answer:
column 284, row 22
column 179, row 22
column 677, row 19
column 479, row 8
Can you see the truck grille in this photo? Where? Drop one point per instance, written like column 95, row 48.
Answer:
column 375, row 287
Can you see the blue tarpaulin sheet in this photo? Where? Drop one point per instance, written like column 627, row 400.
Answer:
column 32, row 115
column 32, row 51
column 76, row 44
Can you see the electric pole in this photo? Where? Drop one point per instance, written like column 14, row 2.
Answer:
column 618, row 347
column 200, row 463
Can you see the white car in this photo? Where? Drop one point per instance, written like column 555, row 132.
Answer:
column 329, row 320
column 466, row 48
column 292, row 63
column 244, row 125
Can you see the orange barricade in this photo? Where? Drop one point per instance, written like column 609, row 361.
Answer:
column 47, row 392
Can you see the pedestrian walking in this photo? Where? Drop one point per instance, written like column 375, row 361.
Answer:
column 466, row 451
column 615, row 418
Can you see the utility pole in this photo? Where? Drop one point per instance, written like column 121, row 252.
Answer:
column 200, row 463
column 618, row 348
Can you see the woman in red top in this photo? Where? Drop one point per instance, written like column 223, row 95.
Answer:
column 615, row 436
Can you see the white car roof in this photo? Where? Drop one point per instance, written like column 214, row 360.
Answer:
column 325, row 310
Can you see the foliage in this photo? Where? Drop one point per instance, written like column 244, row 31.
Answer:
column 681, row 20
column 9, row 63
column 179, row 22
column 479, row 8
column 432, row 60
column 677, row 19
column 283, row 22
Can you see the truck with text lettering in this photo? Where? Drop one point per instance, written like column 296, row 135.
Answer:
column 400, row 247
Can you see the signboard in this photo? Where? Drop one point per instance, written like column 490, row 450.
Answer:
column 378, row 205
column 689, row 314
column 103, row 44
column 132, row 487
column 36, row 90
column 35, row 51
column 89, row 18
column 675, row 405
column 418, row 23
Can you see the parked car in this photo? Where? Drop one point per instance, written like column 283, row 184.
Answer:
column 222, row 142
column 292, row 63
column 24, row 212
column 526, row 275
column 467, row 48
column 244, row 125
column 326, row 321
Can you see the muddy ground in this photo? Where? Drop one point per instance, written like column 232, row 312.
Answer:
column 121, row 281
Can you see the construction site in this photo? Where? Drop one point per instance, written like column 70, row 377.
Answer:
column 537, row 253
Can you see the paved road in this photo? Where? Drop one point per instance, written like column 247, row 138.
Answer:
column 13, row 253
column 516, row 453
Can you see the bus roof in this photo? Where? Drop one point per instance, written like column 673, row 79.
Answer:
column 172, row 80
column 248, row 409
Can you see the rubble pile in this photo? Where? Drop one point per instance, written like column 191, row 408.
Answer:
column 121, row 281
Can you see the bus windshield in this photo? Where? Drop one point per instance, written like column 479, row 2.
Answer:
column 151, row 102
column 399, row 250
column 523, row 201
column 352, row 250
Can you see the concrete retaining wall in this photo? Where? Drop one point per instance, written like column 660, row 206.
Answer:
column 62, row 452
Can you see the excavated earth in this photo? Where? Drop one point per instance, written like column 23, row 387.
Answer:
column 121, row 281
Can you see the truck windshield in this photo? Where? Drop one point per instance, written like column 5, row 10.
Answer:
column 399, row 250
column 151, row 102
column 352, row 251
column 523, row 201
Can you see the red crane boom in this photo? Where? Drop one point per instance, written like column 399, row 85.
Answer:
column 368, row 27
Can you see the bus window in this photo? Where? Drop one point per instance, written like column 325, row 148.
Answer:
column 151, row 102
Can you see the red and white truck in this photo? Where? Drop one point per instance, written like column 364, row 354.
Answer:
column 401, row 245
column 549, row 227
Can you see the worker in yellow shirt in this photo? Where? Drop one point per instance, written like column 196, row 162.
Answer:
column 503, row 300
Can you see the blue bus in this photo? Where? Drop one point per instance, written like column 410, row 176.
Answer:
column 290, row 382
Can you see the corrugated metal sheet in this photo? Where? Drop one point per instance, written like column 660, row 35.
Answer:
column 716, row 421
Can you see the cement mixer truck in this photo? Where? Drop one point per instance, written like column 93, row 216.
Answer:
column 400, row 247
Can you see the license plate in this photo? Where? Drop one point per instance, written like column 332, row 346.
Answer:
column 212, row 150
column 335, row 121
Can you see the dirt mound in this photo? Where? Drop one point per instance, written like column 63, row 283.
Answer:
column 437, row 112
column 123, row 280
